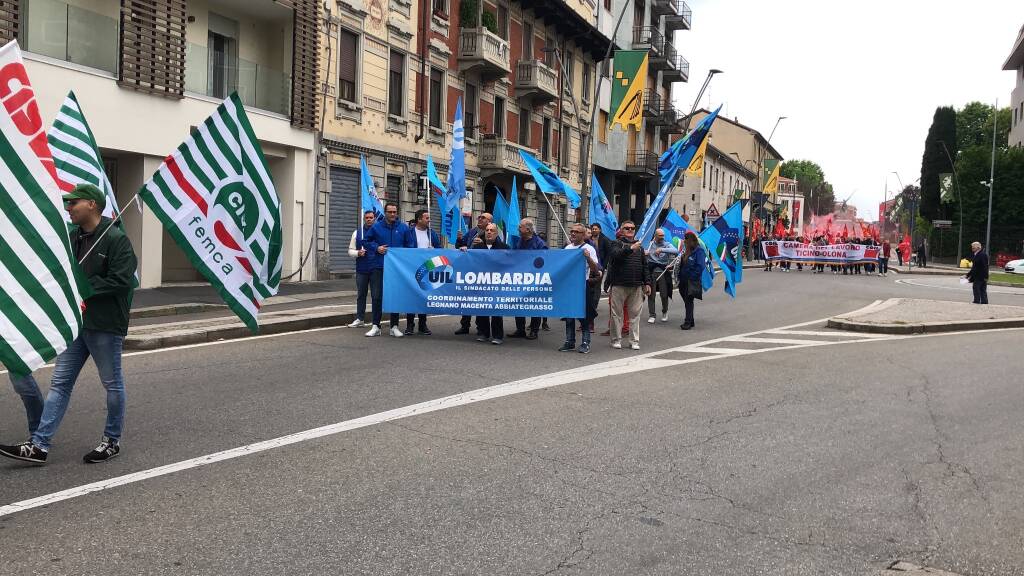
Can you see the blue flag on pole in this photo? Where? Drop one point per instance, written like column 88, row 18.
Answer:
column 456, row 189
column 724, row 238
column 548, row 181
column 676, row 158
column 601, row 210
column 675, row 229
column 500, row 211
column 512, row 217
column 448, row 210
column 368, row 190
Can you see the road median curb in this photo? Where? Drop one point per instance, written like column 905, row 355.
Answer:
column 233, row 330
column 924, row 327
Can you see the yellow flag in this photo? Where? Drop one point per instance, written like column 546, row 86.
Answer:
column 629, row 110
column 771, row 186
column 696, row 167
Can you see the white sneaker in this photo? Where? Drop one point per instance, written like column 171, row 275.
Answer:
column 357, row 323
column 650, row 320
column 664, row 317
column 617, row 345
column 396, row 332
column 375, row 331
column 634, row 345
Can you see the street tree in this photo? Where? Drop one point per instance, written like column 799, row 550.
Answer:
column 935, row 161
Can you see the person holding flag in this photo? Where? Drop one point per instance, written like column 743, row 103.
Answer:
column 364, row 267
column 630, row 281
column 660, row 256
column 387, row 233
column 689, row 274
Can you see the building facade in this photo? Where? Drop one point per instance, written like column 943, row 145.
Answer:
column 146, row 71
column 791, row 206
column 393, row 73
column 1015, row 62
column 723, row 182
column 626, row 161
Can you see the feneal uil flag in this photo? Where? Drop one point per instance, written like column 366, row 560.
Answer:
column 628, row 76
column 771, row 182
column 40, row 293
column 76, row 155
column 215, row 196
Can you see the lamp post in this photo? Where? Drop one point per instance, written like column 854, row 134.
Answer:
column 760, row 160
column 991, row 179
column 960, row 198
column 686, row 126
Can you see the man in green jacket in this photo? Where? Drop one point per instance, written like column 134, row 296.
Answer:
column 108, row 262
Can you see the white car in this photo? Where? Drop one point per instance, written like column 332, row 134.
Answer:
column 1015, row 267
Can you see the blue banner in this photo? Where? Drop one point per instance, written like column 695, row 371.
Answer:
column 549, row 283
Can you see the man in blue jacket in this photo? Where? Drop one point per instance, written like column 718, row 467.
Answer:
column 472, row 239
column 420, row 236
column 364, row 267
column 528, row 240
column 387, row 233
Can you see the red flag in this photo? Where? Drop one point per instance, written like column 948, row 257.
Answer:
column 846, row 234
column 780, row 228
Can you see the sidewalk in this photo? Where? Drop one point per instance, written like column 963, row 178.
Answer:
column 911, row 316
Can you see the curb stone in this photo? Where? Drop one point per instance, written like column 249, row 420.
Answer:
column 236, row 330
column 924, row 327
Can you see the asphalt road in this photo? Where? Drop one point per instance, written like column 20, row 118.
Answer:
column 835, row 459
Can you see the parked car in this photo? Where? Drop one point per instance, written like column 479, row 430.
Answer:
column 1014, row 267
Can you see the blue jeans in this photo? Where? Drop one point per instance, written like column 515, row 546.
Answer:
column 31, row 397
column 105, row 349
column 362, row 287
column 570, row 331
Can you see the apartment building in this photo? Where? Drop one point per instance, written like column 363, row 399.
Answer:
column 626, row 161
column 724, row 181
column 1015, row 62
column 392, row 75
column 146, row 71
column 791, row 203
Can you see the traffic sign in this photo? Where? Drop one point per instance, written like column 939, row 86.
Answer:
column 712, row 212
column 942, row 223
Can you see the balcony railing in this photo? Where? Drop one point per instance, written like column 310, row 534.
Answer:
column 642, row 162
column 55, row 29
column 663, row 7
column 652, row 104
column 647, row 37
column 668, row 115
column 678, row 70
column 258, row 85
column 500, row 155
column 680, row 18
column 662, row 57
column 537, row 81
column 483, row 52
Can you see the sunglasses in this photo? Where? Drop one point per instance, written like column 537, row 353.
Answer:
column 628, row 228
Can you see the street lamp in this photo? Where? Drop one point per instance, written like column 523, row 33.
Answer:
column 960, row 198
column 686, row 127
column 780, row 119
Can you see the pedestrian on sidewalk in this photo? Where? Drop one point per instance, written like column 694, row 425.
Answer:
column 464, row 243
column 883, row 258
column 386, row 233
column 630, row 281
column 591, row 275
column 528, row 240
column 420, row 236
column 364, row 267
column 490, row 328
column 690, row 271
column 660, row 256
column 108, row 263
column 978, row 274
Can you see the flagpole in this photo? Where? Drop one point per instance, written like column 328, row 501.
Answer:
column 557, row 220
column 113, row 221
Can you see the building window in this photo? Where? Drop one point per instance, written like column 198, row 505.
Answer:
column 602, row 128
column 348, row 65
column 440, row 8
column 393, row 190
column 704, row 184
column 586, row 81
column 545, row 140
column 469, row 111
column 608, row 5
column 569, row 61
column 549, row 57
column 527, row 41
column 503, row 21
column 563, row 145
column 498, row 125
column 436, row 93
column 584, row 144
column 524, row 127
column 396, row 84
column 222, row 60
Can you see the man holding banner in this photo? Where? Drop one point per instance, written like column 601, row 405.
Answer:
column 592, row 278
column 384, row 234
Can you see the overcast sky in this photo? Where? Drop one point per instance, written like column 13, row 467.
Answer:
column 858, row 81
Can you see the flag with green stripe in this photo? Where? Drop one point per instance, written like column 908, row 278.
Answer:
column 75, row 154
column 215, row 197
column 41, row 293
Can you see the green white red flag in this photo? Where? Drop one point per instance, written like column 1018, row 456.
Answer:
column 215, row 197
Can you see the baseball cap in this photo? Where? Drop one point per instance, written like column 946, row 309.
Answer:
column 87, row 192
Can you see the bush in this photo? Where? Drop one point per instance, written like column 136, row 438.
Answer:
column 467, row 13
column 490, row 22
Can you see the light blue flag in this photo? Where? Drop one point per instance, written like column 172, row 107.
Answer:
column 433, row 177
column 370, row 200
column 447, row 210
column 675, row 228
column 456, row 189
column 724, row 238
column 601, row 210
column 500, row 211
column 676, row 158
column 512, row 217
column 548, row 181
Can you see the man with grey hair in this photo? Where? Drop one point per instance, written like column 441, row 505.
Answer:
column 472, row 239
column 978, row 274
column 528, row 240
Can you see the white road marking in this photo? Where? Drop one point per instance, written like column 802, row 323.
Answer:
column 835, row 333
column 991, row 289
column 628, row 365
column 772, row 340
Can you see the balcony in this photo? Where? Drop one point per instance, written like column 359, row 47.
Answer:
column 678, row 70
column 652, row 104
column 535, row 81
column 258, row 85
column 648, row 38
column 642, row 163
column 680, row 18
column 668, row 116
column 483, row 53
column 664, row 57
column 500, row 155
column 663, row 7
column 55, row 29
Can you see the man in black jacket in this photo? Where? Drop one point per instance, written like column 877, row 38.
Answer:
column 490, row 328
column 978, row 274
column 630, row 281
column 108, row 262
column 464, row 243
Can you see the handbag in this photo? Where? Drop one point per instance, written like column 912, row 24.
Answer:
column 694, row 289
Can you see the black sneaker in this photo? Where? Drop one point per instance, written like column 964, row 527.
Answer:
column 517, row 334
column 531, row 335
column 105, row 451
column 408, row 331
column 462, row 331
column 26, row 452
column 567, row 347
column 584, row 348
column 424, row 332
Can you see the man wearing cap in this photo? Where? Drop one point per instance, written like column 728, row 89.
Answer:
column 108, row 262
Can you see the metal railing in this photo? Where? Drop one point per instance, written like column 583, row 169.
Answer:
column 641, row 160
column 648, row 36
column 652, row 103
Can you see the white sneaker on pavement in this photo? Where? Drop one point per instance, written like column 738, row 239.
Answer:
column 617, row 345
column 357, row 323
column 375, row 331
column 634, row 345
column 397, row 332
column 650, row 320
column 664, row 317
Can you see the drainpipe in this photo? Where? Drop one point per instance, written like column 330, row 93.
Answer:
column 424, row 42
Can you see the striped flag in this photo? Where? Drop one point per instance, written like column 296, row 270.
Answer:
column 40, row 292
column 76, row 155
column 215, row 197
